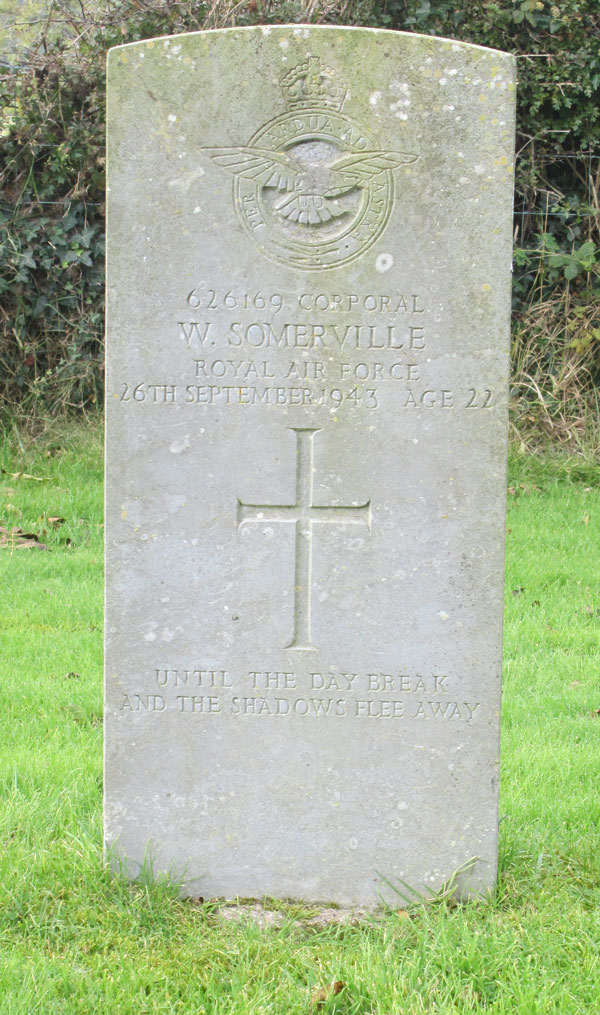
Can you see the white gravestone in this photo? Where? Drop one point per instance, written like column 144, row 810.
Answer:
column 308, row 330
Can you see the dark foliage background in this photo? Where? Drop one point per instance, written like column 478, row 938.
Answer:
column 52, row 189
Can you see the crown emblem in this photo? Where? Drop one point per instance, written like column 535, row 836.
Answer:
column 311, row 84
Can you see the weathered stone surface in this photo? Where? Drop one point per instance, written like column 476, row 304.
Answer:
column 308, row 302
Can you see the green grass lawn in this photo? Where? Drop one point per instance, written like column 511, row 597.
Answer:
column 75, row 939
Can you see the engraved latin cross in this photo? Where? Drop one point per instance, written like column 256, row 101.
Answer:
column 305, row 515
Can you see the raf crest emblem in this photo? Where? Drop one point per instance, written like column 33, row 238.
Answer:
column 312, row 187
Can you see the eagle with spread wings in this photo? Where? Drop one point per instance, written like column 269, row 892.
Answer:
column 310, row 190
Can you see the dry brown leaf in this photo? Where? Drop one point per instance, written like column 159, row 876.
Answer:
column 322, row 994
column 16, row 539
column 21, row 475
column 195, row 900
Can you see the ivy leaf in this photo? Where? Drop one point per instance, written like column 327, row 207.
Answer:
column 27, row 259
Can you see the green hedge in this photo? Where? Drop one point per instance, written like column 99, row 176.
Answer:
column 52, row 188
